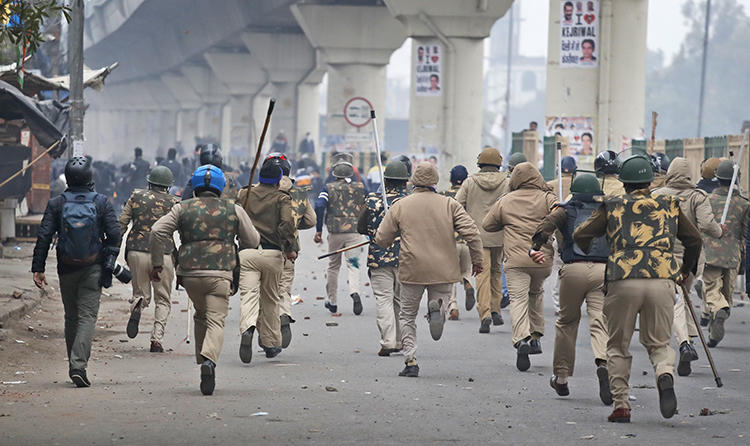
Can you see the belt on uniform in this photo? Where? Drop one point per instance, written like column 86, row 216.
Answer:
column 269, row 246
column 588, row 261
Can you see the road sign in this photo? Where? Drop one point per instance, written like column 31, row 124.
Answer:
column 357, row 111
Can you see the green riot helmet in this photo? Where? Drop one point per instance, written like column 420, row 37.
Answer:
column 161, row 176
column 725, row 170
column 585, row 183
column 516, row 159
column 636, row 169
column 396, row 170
column 342, row 169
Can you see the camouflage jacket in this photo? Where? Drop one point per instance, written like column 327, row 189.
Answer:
column 345, row 202
column 727, row 251
column 369, row 221
column 143, row 208
column 207, row 228
column 452, row 193
column 641, row 233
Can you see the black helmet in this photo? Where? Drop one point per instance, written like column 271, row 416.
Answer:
column 281, row 160
column 407, row 162
column 606, row 162
column 78, row 171
column 211, row 154
column 660, row 162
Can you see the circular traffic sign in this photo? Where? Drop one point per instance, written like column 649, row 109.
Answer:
column 357, row 111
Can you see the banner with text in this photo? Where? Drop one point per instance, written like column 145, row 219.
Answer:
column 429, row 79
column 579, row 33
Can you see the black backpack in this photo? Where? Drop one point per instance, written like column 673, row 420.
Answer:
column 79, row 241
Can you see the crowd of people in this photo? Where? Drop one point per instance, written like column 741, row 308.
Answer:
column 629, row 241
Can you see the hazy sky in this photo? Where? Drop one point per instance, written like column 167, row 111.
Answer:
column 666, row 30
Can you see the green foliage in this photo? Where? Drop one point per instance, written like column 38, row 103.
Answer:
column 28, row 30
column 673, row 91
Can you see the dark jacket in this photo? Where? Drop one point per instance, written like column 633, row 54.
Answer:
column 110, row 230
column 707, row 186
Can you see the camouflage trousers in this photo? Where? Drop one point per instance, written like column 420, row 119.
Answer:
column 651, row 302
column 140, row 266
column 719, row 284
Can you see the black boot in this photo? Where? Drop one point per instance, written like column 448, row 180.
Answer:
column 716, row 327
column 272, row 352
column 246, row 345
column 522, row 356
column 156, row 347
column 505, row 301
column 286, row 330
column 410, row 371
column 561, row 389
column 135, row 319
column 667, row 398
column 331, row 307
column 687, row 354
column 357, row 304
column 497, row 318
column 208, row 377
column 535, row 347
column 484, row 327
column 470, row 299
column 605, row 394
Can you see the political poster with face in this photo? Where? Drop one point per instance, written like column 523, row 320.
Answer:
column 579, row 33
column 580, row 133
column 429, row 79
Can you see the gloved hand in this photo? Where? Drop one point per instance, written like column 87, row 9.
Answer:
column 105, row 280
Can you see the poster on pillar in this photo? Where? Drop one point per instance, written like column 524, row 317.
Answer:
column 579, row 33
column 580, row 133
column 429, row 79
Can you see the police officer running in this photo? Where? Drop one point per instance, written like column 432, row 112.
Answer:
column 581, row 281
column 641, row 230
column 208, row 226
column 340, row 204
column 143, row 209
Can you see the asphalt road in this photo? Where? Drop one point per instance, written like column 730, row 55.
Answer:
column 469, row 391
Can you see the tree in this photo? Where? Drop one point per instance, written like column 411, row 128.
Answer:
column 21, row 23
column 673, row 91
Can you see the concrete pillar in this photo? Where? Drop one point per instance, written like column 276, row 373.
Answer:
column 447, row 120
column 292, row 64
column 357, row 42
column 308, row 117
column 612, row 91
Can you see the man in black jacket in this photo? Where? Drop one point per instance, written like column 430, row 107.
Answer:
column 88, row 244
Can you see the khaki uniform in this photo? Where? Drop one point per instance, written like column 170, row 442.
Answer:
column 697, row 208
column 464, row 259
column 304, row 217
column 612, row 186
column 519, row 213
column 382, row 264
column 477, row 195
column 426, row 222
column 143, row 209
column 260, row 269
column 581, row 280
column 567, row 179
column 639, row 280
column 725, row 256
column 208, row 226
column 345, row 200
